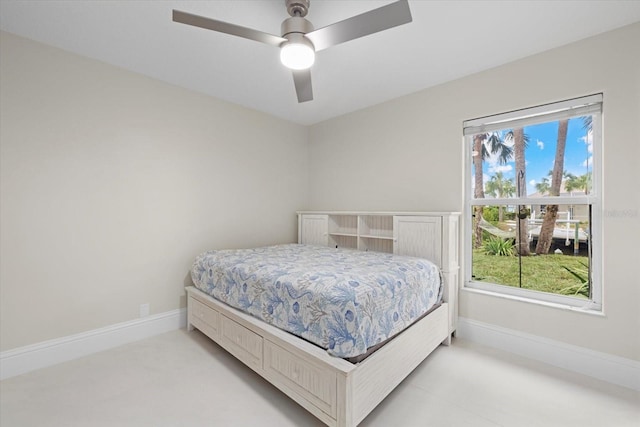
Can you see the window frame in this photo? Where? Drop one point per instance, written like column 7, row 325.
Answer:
column 588, row 105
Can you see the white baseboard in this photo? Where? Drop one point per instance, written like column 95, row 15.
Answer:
column 603, row 366
column 25, row 359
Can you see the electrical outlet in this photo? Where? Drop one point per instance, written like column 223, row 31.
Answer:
column 144, row 310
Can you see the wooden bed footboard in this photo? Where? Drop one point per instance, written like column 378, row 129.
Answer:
column 339, row 393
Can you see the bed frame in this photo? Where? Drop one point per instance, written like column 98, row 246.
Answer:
column 337, row 392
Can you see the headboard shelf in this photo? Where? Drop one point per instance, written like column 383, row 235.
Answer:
column 431, row 235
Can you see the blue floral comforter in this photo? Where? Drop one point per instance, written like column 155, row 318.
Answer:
column 340, row 299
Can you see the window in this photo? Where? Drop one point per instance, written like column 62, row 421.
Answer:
column 533, row 203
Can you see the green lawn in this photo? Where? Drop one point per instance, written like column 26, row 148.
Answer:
column 546, row 273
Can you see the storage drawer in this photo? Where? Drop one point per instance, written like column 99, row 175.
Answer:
column 241, row 342
column 203, row 313
column 315, row 384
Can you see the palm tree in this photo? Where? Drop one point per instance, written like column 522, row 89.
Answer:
column 485, row 144
column 499, row 187
column 509, row 188
column 583, row 182
column 578, row 183
column 520, row 143
column 551, row 214
column 543, row 186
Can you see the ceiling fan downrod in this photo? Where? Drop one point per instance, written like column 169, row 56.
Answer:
column 298, row 7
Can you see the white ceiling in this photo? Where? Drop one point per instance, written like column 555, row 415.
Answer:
column 445, row 41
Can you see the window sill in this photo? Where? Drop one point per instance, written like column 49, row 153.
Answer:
column 592, row 312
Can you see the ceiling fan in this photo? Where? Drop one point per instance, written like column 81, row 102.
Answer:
column 299, row 41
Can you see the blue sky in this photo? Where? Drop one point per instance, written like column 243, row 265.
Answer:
column 540, row 153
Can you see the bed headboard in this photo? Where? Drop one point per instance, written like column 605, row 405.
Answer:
column 431, row 235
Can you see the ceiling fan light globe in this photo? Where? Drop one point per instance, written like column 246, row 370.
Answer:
column 297, row 56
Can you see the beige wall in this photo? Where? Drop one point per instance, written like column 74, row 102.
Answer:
column 407, row 154
column 112, row 183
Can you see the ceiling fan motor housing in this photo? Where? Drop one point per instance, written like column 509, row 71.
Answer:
column 295, row 24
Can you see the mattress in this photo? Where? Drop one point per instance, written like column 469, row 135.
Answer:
column 342, row 300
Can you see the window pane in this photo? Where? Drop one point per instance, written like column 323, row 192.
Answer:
column 494, row 255
column 563, row 147
column 522, row 162
column 561, row 269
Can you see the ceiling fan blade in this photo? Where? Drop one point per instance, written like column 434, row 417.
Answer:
column 225, row 27
column 379, row 19
column 302, row 81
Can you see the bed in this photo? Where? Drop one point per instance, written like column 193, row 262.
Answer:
column 304, row 318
